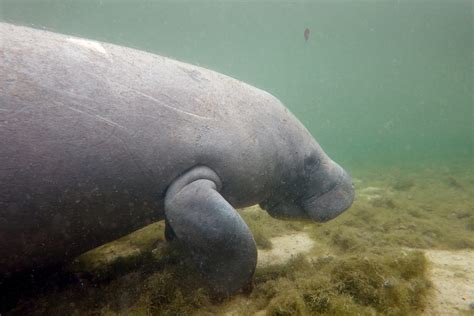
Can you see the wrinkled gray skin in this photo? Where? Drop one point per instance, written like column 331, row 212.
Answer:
column 98, row 140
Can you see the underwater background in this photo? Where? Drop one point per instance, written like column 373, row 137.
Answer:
column 386, row 88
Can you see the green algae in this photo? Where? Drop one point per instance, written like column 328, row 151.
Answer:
column 264, row 227
column 470, row 224
column 120, row 256
column 403, row 184
column 393, row 284
column 253, row 218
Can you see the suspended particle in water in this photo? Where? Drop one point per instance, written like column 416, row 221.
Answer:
column 306, row 34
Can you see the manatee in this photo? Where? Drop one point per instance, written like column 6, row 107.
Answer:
column 98, row 140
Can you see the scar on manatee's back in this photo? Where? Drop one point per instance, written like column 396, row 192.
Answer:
column 193, row 74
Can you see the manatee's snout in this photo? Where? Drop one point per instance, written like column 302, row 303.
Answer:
column 334, row 199
column 327, row 193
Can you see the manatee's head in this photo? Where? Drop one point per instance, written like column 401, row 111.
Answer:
column 322, row 191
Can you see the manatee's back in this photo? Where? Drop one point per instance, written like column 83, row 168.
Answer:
column 92, row 134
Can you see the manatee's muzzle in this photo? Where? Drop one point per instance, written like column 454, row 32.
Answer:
column 284, row 210
column 328, row 205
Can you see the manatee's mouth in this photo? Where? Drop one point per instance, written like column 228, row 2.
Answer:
column 329, row 204
column 281, row 210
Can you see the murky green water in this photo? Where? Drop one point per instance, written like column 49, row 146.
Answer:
column 386, row 88
column 377, row 82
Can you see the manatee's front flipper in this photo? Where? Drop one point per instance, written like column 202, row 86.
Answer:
column 210, row 228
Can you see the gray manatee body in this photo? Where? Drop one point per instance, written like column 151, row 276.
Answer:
column 98, row 140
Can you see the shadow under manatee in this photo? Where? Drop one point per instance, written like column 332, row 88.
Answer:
column 159, row 271
column 21, row 287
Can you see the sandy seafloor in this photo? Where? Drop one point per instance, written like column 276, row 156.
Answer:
column 406, row 246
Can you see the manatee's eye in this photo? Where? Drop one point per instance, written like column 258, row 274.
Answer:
column 311, row 162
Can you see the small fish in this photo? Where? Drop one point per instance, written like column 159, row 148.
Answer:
column 306, row 34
